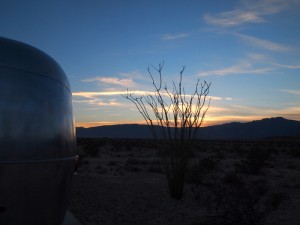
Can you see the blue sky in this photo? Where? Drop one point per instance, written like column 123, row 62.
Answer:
column 249, row 50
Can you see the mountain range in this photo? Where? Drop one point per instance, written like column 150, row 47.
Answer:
column 269, row 127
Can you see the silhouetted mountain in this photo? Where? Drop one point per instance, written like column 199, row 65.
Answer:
column 115, row 131
column 271, row 127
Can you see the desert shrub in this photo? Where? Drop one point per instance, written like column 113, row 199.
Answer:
column 239, row 201
column 254, row 161
column 174, row 159
column 174, row 119
column 198, row 173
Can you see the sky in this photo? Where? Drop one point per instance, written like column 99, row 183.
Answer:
column 248, row 49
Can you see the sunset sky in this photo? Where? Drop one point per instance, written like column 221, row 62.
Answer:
column 248, row 49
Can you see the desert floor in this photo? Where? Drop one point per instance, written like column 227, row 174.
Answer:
column 120, row 182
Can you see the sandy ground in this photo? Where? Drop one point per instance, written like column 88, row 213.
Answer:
column 119, row 182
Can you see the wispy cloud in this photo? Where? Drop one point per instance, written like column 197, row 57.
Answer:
column 295, row 92
column 262, row 43
column 93, row 95
column 249, row 12
column 241, row 68
column 174, row 36
column 287, row 66
column 97, row 102
column 257, row 56
column 232, row 18
column 102, row 93
column 244, row 113
column 123, row 82
column 134, row 75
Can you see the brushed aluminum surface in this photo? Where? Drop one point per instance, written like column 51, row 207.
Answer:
column 37, row 137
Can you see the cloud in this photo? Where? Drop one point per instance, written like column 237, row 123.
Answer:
column 112, row 81
column 135, row 75
column 95, row 94
column 232, row 18
column 91, row 95
column 174, row 36
column 295, row 92
column 287, row 66
column 257, row 56
column 262, row 43
column 97, row 102
column 249, row 12
column 243, row 113
column 241, row 68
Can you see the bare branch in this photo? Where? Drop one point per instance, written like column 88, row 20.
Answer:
column 174, row 119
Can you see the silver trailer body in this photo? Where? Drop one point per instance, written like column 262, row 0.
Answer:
column 37, row 137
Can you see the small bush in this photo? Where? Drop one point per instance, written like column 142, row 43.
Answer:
column 254, row 161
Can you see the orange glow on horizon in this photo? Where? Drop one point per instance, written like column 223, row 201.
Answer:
column 97, row 124
column 207, row 122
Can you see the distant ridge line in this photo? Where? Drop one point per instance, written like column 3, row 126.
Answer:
column 265, row 128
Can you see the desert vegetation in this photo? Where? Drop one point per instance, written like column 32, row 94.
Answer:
column 173, row 118
column 227, row 183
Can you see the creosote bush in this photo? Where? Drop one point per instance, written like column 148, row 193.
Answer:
column 173, row 118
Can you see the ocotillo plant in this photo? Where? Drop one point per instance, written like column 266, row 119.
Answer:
column 174, row 119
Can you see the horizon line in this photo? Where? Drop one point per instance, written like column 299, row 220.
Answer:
column 208, row 123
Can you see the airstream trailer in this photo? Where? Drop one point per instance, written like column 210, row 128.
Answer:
column 37, row 137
